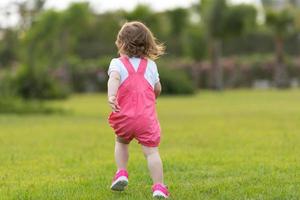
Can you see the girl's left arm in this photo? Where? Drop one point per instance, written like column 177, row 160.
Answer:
column 112, row 89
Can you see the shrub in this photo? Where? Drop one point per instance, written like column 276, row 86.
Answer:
column 11, row 103
column 20, row 106
column 38, row 84
column 88, row 75
column 6, row 84
column 243, row 71
column 175, row 81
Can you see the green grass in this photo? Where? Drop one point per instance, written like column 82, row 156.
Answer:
column 230, row 145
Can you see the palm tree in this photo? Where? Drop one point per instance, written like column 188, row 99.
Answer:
column 281, row 23
column 221, row 22
column 280, row 3
column 213, row 15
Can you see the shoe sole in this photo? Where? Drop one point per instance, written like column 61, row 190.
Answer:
column 119, row 184
column 159, row 195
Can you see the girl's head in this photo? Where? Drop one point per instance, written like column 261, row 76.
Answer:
column 136, row 40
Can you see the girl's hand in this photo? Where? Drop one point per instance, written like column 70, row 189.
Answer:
column 112, row 101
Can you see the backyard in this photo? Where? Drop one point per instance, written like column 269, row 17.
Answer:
column 237, row 144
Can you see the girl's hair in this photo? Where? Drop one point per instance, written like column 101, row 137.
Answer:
column 136, row 40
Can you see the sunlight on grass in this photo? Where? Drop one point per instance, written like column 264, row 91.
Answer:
column 230, row 145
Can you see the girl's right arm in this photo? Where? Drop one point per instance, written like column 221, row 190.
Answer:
column 157, row 89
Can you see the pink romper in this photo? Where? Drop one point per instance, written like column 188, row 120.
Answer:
column 137, row 117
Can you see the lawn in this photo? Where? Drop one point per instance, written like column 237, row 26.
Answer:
column 231, row 145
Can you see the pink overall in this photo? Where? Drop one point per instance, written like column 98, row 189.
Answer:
column 137, row 117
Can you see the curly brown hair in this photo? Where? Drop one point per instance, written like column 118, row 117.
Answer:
column 136, row 40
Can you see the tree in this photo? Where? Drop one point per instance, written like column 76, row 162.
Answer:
column 178, row 20
column 144, row 14
column 9, row 47
column 279, row 3
column 28, row 11
column 267, row 3
column 282, row 24
column 213, row 15
column 221, row 22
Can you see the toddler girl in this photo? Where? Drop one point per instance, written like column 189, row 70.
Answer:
column 133, row 86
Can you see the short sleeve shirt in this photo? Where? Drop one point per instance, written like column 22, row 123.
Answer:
column 151, row 73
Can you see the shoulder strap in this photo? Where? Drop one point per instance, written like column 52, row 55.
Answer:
column 127, row 64
column 142, row 66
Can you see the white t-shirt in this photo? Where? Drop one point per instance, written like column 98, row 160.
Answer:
column 151, row 73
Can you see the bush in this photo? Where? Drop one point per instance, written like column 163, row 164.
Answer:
column 11, row 103
column 6, row 84
column 175, row 81
column 19, row 106
column 88, row 75
column 196, row 43
column 38, row 84
column 243, row 71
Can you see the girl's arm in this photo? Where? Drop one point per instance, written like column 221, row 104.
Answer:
column 112, row 89
column 157, row 89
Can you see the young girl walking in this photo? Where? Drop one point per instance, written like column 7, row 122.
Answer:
column 133, row 87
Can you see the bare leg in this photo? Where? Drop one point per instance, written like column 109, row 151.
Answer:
column 121, row 153
column 154, row 163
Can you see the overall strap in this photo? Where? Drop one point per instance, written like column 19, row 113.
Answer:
column 142, row 66
column 127, row 64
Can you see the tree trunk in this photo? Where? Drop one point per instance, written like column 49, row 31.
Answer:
column 280, row 74
column 216, row 72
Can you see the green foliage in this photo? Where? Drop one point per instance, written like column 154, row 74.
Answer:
column 7, row 88
column 175, row 81
column 13, row 105
column 281, row 22
column 244, row 70
column 54, row 36
column 267, row 3
column 9, row 48
column 38, row 84
column 261, row 67
column 80, row 42
column 195, row 44
column 99, row 39
column 256, row 41
column 239, row 19
column 146, row 15
column 90, row 75
column 223, row 21
column 274, row 4
column 43, row 43
column 75, row 32
column 177, row 41
column 179, row 20
column 213, row 13
column 10, row 101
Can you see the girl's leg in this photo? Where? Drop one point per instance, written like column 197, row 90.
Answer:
column 121, row 153
column 120, row 180
column 154, row 163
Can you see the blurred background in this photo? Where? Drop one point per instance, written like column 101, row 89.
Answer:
column 229, row 112
column 50, row 49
